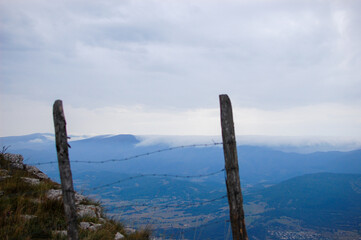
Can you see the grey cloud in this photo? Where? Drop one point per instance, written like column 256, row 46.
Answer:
column 183, row 53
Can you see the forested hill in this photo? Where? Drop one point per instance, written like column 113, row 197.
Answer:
column 317, row 206
column 257, row 163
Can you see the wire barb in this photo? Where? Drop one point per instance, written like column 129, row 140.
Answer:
column 134, row 156
column 156, row 175
column 166, row 205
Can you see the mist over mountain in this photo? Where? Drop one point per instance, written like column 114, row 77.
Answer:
column 287, row 195
column 257, row 163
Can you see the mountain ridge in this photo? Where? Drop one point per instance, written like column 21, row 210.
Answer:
column 323, row 205
column 261, row 168
column 257, row 164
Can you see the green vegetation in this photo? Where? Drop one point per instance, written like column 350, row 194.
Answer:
column 26, row 212
column 316, row 206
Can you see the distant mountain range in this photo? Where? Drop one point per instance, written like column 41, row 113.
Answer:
column 258, row 164
column 286, row 195
column 320, row 206
column 312, row 206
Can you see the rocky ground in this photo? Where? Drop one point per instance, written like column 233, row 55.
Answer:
column 32, row 188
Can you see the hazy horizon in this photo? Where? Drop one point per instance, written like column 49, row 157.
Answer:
column 301, row 144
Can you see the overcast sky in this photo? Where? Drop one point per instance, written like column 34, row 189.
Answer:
column 291, row 68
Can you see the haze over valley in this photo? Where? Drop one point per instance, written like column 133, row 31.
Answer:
column 286, row 194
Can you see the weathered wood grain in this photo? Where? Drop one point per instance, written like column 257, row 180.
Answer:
column 234, row 192
column 61, row 140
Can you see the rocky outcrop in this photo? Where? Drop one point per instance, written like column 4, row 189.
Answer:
column 56, row 194
column 32, row 181
column 129, row 230
column 61, row 233
column 83, row 205
column 28, row 217
column 34, row 170
column 90, row 226
column 4, row 174
column 88, row 211
column 16, row 161
column 83, row 210
column 118, row 236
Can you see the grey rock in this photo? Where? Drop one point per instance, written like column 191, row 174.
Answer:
column 34, row 170
column 4, row 172
column 16, row 160
column 89, row 211
column 118, row 236
column 35, row 200
column 32, row 181
column 129, row 230
column 82, row 210
column 84, row 225
column 4, row 177
column 28, row 217
column 56, row 194
column 79, row 198
column 62, row 233
column 90, row 226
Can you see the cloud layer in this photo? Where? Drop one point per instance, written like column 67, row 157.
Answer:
column 25, row 117
column 295, row 63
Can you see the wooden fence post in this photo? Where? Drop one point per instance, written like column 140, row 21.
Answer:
column 234, row 192
column 61, row 140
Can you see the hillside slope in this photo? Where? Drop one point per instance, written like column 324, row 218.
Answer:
column 31, row 207
column 312, row 206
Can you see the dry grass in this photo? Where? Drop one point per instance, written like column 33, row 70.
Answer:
column 18, row 199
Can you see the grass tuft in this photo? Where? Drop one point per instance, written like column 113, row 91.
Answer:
column 26, row 213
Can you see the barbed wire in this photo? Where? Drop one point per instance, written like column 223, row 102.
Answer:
column 112, row 208
column 155, row 175
column 134, row 156
column 165, row 205
column 131, row 178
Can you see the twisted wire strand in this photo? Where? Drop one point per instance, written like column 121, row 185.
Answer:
column 134, row 156
column 166, row 205
column 156, row 175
